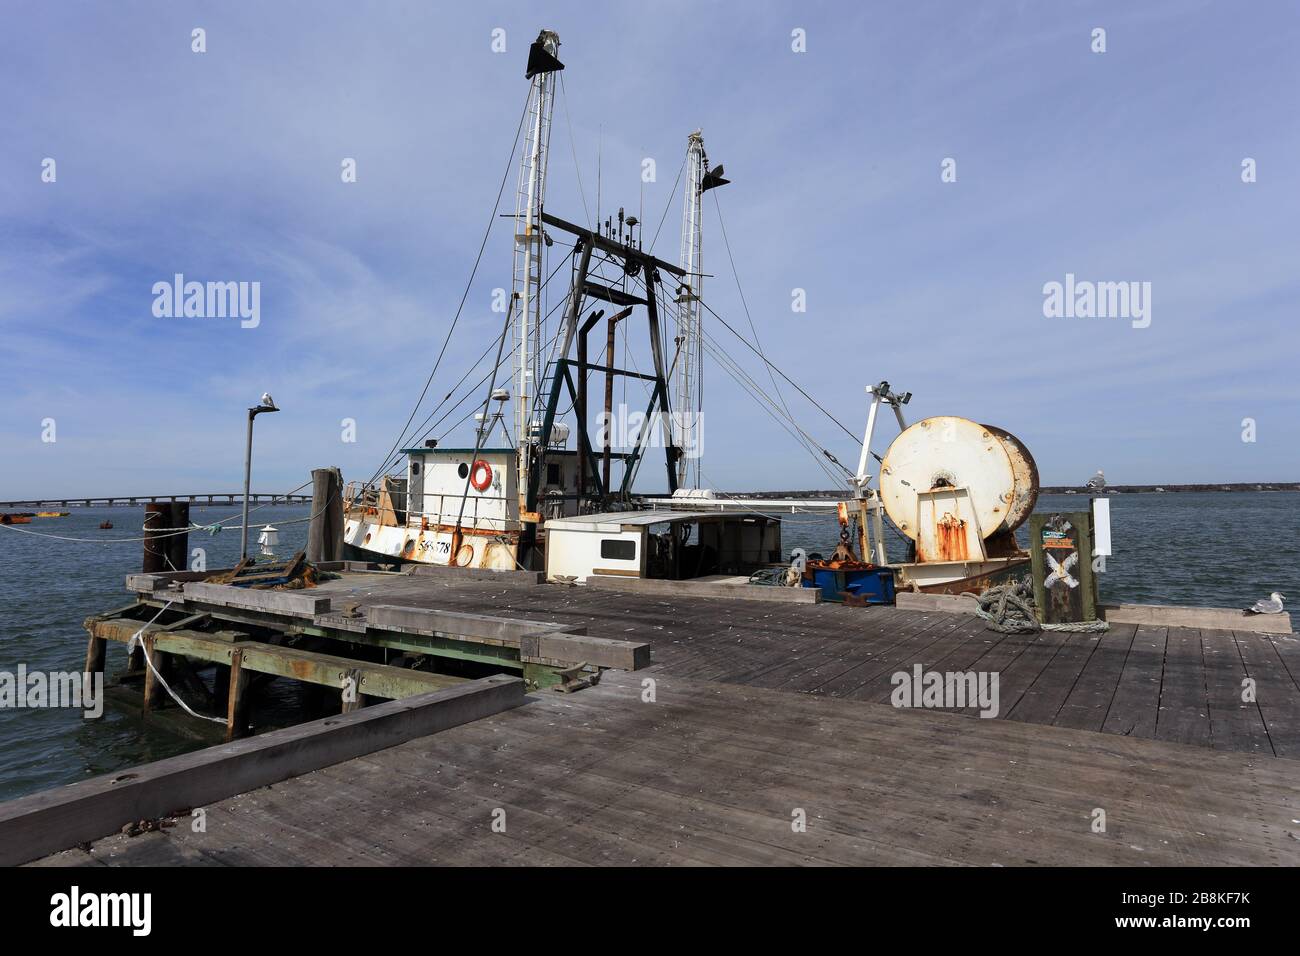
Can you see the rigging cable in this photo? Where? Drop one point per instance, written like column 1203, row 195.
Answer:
column 465, row 295
column 420, row 432
column 814, row 401
column 744, row 303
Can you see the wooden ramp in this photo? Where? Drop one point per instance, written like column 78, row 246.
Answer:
column 720, row 773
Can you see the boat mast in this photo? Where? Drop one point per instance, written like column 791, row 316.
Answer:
column 530, row 196
column 688, row 303
column 690, row 356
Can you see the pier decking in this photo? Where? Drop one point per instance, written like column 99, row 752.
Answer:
column 763, row 709
column 717, row 773
column 1177, row 684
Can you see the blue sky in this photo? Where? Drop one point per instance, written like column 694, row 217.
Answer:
column 1118, row 166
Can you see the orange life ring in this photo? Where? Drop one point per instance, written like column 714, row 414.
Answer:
column 480, row 476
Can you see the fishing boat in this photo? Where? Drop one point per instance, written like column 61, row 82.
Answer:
column 52, row 514
column 488, row 505
column 554, row 492
column 12, row 518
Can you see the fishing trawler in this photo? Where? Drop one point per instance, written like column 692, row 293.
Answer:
column 488, row 505
column 551, row 492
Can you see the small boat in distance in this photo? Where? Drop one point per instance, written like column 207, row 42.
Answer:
column 15, row 519
column 51, row 514
column 105, row 525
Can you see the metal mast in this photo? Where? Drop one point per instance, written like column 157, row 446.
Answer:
column 530, row 196
column 686, row 380
column 688, row 302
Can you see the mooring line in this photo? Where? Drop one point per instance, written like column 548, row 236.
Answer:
column 148, row 659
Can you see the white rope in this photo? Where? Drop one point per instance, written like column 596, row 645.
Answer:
column 131, row 645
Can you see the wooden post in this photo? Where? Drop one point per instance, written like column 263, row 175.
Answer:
column 156, row 517
column 1065, row 589
column 176, row 546
column 325, row 532
column 354, row 685
column 150, row 678
column 237, row 698
column 134, row 664
column 95, row 650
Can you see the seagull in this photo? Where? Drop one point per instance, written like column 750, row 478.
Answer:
column 267, row 401
column 1270, row 605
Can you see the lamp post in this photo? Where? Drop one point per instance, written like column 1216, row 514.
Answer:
column 267, row 405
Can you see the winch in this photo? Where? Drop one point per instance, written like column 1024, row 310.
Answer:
column 955, row 489
column 958, row 489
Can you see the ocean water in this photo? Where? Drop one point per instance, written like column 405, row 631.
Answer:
column 51, row 587
column 1200, row 549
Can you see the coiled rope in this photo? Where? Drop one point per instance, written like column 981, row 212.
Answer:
column 1009, row 608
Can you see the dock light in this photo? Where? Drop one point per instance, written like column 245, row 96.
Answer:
column 268, row 539
column 267, row 404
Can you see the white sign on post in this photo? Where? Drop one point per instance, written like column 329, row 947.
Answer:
column 1101, row 527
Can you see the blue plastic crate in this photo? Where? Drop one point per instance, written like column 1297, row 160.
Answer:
column 873, row 586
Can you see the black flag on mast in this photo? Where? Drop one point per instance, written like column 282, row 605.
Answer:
column 713, row 178
column 540, row 61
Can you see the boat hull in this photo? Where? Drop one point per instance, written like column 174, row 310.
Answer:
column 489, row 549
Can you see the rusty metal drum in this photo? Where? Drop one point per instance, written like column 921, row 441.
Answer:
column 1026, row 472
column 950, row 452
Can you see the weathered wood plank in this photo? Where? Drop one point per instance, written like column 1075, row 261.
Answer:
column 1276, row 693
column 43, row 823
column 715, row 773
column 1043, row 699
column 1088, row 702
column 1197, row 618
column 1135, row 706
column 1235, row 724
column 1184, row 715
column 292, row 603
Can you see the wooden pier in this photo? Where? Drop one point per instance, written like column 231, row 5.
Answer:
column 717, row 725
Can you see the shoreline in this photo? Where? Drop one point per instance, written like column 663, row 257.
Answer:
column 1250, row 487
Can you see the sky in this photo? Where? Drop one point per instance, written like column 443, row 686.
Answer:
column 1122, row 166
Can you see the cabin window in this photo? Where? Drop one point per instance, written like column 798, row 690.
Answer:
column 415, row 467
column 463, row 470
column 617, row 549
column 552, row 473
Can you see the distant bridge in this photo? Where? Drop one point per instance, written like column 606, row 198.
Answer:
column 215, row 498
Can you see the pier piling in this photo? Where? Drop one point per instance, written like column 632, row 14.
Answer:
column 237, row 697
column 325, row 532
